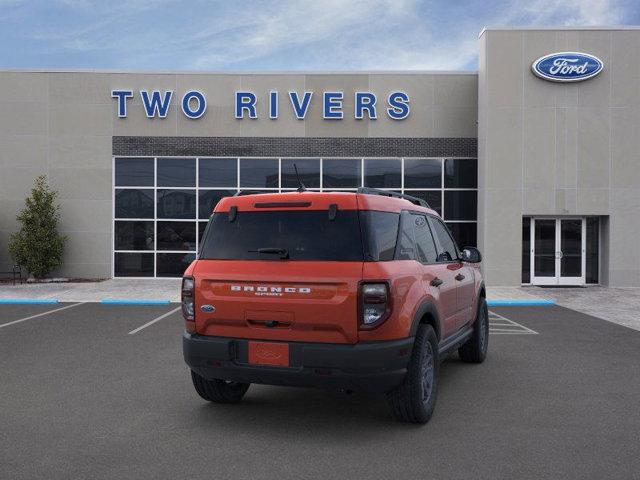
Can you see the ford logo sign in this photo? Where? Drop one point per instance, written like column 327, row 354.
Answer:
column 208, row 308
column 567, row 66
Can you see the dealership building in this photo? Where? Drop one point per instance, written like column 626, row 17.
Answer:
column 534, row 158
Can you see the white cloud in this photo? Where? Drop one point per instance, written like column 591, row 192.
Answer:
column 300, row 34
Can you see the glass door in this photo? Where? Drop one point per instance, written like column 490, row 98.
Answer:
column 558, row 251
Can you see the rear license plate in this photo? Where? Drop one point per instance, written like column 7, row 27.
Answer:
column 269, row 353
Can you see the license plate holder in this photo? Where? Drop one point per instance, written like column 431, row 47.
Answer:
column 269, row 353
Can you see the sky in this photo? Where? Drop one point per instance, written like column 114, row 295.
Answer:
column 277, row 35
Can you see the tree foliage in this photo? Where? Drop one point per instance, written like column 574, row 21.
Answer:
column 37, row 246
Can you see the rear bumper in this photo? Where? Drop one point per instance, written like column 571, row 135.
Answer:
column 370, row 367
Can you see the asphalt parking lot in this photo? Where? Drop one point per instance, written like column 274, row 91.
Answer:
column 87, row 393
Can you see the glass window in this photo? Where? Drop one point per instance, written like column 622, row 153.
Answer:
column 465, row 234
column 422, row 173
column 305, row 235
column 134, row 203
column 173, row 264
column 176, row 235
column 133, row 236
column 176, row 203
column 432, row 197
column 406, row 246
column 460, row 173
column 526, row 250
column 134, row 172
column 380, row 231
column 201, row 227
column 176, row 172
column 425, row 244
column 447, row 250
column 593, row 241
column 460, row 205
column 133, row 264
column 382, row 173
column 208, row 199
column 259, row 172
column 218, row 172
column 340, row 173
column 308, row 168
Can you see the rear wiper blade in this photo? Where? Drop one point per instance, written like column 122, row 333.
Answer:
column 283, row 252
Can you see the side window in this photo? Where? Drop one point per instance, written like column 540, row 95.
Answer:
column 405, row 249
column 448, row 250
column 425, row 246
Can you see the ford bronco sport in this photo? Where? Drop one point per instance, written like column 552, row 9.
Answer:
column 354, row 291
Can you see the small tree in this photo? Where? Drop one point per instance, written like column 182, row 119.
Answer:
column 38, row 246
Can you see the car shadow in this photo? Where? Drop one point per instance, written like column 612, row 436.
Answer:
column 286, row 411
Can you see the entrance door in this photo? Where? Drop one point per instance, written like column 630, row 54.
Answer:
column 558, row 251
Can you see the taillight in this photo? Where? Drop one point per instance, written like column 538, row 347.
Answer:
column 188, row 284
column 375, row 304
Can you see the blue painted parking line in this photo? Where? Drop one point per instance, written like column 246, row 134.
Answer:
column 114, row 301
column 519, row 303
column 28, row 301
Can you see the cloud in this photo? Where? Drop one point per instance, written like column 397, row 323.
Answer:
column 286, row 34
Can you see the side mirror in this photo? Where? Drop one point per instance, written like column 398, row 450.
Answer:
column 471, row 255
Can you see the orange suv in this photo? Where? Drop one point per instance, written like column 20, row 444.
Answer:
column 361, row 290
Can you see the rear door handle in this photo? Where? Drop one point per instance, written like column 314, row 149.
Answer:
column 459, row 277
column 436, row 282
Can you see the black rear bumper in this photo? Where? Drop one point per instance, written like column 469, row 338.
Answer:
column 370, row 367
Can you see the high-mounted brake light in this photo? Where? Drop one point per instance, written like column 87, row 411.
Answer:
column 188, row 284
column 375, row 304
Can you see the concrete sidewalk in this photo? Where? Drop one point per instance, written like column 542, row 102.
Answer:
column 617, row 305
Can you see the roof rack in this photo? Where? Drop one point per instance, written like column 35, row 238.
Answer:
column 240, row 193
column 386, row 193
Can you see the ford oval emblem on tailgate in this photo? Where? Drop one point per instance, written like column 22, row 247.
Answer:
column 208, row 308
column 567, row 66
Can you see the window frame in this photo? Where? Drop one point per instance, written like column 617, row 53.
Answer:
column 439, row 246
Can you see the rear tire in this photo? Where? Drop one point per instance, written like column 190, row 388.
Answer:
column 219, row 391
column 415, row 399
column 475, row 349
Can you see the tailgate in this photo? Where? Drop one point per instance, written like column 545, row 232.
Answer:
column 297, row 301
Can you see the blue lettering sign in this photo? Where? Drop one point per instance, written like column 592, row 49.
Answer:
column 200, row 100
column 273, row 105
column 122, row 96
column 156, row 105
column 300, row 108
column 332, row 105
column 398, row 105
column 246, row 101
column 365, row 101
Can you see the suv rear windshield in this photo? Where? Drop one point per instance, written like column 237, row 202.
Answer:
column 301, row 235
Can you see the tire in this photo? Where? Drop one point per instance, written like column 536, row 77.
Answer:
column 415, row 399
column 475, row 349
column 219, row 391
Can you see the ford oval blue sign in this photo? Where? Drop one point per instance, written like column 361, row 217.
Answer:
column 567, row 66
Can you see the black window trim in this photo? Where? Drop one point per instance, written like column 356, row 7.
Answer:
column 433, row 218
column 435, row 241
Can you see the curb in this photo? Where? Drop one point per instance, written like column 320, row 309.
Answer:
column 28, row 301
column 520, row 303
column 114, row 301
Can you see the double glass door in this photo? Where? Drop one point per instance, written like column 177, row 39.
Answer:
column 558, row 251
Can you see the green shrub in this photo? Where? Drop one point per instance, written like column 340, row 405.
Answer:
column 37, row 246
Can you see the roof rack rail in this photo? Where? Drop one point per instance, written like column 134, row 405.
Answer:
column 386, row 193
column 240, row 193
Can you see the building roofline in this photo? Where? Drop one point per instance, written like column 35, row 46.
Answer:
column 238, row 72
column 562, row 27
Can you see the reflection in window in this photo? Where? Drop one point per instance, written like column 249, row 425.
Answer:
column 308, row 168
column 176, row 236
column 382, row 173
column 133, row 235
column 176, row 172
column 422, row 173
column 134, row 203
column 134, row 172
column 173, row 264
column 218, row 172
column 208, row 199
column 176, row 203
column 259, row 173
column 340, row 173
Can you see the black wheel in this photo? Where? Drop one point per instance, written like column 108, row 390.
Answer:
column 219, row 391
column 415, row 399
column 475, row 349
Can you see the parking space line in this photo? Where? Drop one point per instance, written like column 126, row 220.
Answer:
column 40, row 314
column 499, row 325
column 165, row 315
